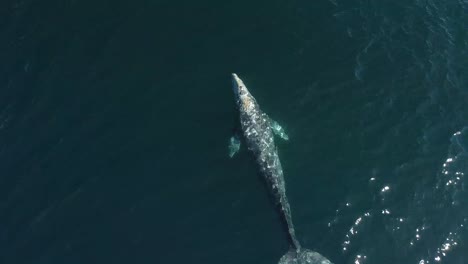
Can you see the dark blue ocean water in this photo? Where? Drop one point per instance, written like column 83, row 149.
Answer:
column 115, row 118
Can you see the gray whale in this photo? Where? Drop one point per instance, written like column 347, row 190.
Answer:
column 258, row 132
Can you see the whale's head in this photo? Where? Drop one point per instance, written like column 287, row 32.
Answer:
column 243, row 97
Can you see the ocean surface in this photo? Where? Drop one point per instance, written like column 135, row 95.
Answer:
column 115, row 118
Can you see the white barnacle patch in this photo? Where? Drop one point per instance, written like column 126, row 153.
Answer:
column 247, row 104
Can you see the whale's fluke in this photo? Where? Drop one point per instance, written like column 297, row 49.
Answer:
column 303, row 256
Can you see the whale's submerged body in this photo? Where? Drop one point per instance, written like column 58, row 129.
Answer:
column 258, row 131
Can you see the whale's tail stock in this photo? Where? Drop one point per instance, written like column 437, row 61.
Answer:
column 303, row 256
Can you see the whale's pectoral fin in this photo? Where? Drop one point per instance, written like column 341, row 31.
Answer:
column 234, row 145
column 278, row 130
